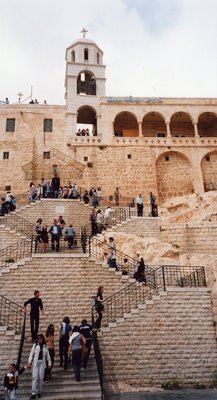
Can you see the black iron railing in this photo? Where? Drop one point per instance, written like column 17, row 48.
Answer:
column 22, row 339
column 16, row 252
column 118, row 215
column 11, row 315
column 98, row 357
column 101, row 250
column 79, row 245
column 17, row 223
column 158, row 280
column 22, row 199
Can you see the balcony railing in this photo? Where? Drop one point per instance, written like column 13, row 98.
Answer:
column 147, row 141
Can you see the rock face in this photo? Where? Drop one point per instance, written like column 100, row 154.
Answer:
column 188, row 236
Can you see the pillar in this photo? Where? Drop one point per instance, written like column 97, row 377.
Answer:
column 196, row 134
column 168, row 129
column 140, row 129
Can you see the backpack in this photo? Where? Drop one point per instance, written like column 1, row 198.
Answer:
column 93, row 300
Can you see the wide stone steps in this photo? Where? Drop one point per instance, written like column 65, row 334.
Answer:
column 147, row 227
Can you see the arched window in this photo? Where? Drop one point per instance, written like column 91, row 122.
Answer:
column 86, row 55
column 98, row 58
column 73, row 55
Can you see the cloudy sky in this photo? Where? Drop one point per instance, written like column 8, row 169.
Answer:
column 151, row 47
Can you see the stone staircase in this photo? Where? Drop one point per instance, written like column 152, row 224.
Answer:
column 170, row 336
column 63, row 385
column 147, row 227
column 73, row 211
column 8, row 236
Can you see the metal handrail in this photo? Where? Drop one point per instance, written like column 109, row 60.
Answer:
column 79, row 246
column 11, row 315
column 100, row 250
column 123, row 301
column 22, row 199
column 117, row 216
column 22, row 339
column 18, row 223
column 99, row 361
column 16, row 252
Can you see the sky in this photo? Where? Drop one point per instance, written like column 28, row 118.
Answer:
column 162, row 48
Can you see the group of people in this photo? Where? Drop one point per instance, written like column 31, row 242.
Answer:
column 100, row 220
column 153, row 205
column 83, row 132
column 110, row 258
column 74, row 347
column 57, row 231
column 8, row 204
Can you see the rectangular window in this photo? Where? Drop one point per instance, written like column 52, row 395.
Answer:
column 8, row 188
column 161, row 134
column 10, row 124
column 48, row 125
column 46, row 155
column 5, row 155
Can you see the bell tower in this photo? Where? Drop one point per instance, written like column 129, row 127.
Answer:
column 84, row 85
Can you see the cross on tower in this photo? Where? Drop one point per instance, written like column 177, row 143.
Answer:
column 84, row 31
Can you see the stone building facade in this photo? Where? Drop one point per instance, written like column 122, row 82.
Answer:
column 164, row 145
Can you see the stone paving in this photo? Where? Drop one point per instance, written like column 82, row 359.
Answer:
column 185, row 394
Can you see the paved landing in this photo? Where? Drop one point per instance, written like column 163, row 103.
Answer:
column 187, row 394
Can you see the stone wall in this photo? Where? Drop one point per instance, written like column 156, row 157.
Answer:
column 174, row 175
column 192, row 237
column 133, row 165
column 172, row 337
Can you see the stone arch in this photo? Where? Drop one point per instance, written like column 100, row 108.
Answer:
column 209, row 171
column 126, row 125
column 174, row 175
column 207, row 124
column 86, row 83
column 153, row 125
column 87, row 119
column 181, row 125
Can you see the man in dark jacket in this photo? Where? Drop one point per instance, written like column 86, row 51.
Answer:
column 36, row 305
column 55, row 183
column 86, row 331
column 56, row 233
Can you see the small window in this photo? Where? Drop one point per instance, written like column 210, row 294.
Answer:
column 161, row 135
column 10, row 124
column 73, row 55
column 48, row 125
column 5, row 155
column 46, row 155
column 167, row 158
column 86, row 55
column 85, row 158
column 129, row 156
column 7, row 188
column 207, row 158
column 98, row 58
